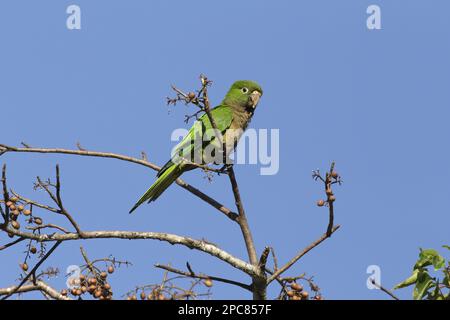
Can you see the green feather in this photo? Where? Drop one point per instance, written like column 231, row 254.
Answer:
column 222, row 115
column 161, row 184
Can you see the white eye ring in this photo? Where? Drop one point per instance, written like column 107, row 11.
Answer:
column 244, row 89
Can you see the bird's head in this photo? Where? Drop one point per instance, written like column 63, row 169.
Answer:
column 244, row 94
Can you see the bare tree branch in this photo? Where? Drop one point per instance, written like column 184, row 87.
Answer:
column 38, row 286
column 191, row 274
column 166, row 237
column 242, row 219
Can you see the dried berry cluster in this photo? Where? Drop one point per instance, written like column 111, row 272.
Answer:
column 93, row 283
column 18, row 208
column 153, row 295
column 168, row 291
column 297, row 292
column 330, row 179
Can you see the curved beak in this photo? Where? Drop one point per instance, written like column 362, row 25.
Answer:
column 254, row 97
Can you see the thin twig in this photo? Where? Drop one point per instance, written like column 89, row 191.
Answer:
column 34, row 203
column 301, row 254
column 5, row 196
column 204, row 277
column 49, row 225
column 388, row 292
column 3, row 247
column 89, row 264
column 330, row 202
column 61, row 206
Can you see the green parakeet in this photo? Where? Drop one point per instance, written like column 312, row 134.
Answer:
column 231, row 117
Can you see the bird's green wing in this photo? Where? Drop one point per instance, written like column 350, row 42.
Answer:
column 222, row 115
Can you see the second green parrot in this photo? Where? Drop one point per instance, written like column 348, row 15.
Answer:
column 231, row 117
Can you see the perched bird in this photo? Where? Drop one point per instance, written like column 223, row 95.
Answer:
column 231, row 117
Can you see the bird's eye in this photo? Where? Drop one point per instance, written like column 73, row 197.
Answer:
column 244, row 90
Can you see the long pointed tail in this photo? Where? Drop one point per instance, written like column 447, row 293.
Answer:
column 167, row 177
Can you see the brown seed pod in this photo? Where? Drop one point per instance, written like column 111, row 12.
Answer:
column 82, row 277
column 92, row 281
column 26, row 212
column 331, row 198
column 9, row 203
column 110, row 269
column 296, row 297
column 143, row 295
column 24, row 266
column 191, row 95
column 33, row 250
column 83, row 289
column 107, row 286
column 14, row 199
column 15, row 225
column 98, row 293
column 64, row 292
column 161, row 296
column 20, row 207
column 92, row 288
column 74, row 291
column 290, row 293
column 297, row 287
column 150, row 296
column 305, row 294
column 329, row 192
column 15, row 213
column 133, row 297
column 334, row 174
column 320, row 203
column 12, row 207
column 103, row 275
column 208, row 283
column 38, row 221
column 79, row 292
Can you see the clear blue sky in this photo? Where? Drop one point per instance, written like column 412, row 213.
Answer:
column 376, row 102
